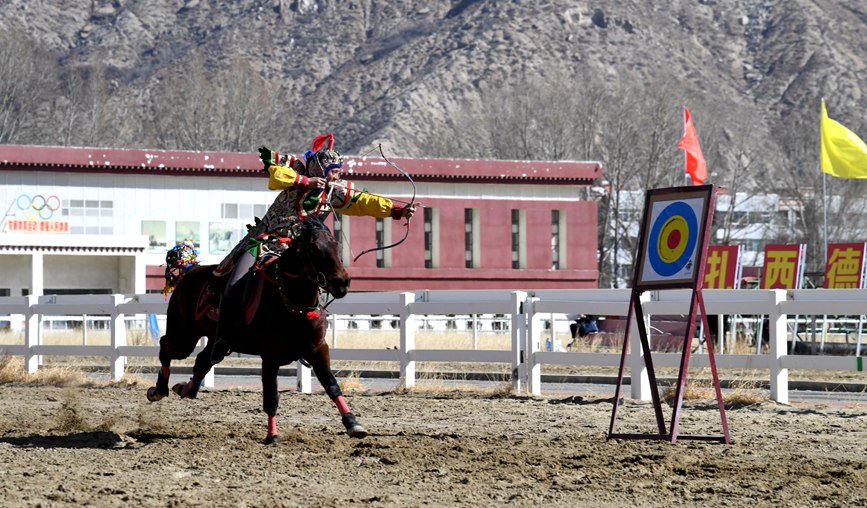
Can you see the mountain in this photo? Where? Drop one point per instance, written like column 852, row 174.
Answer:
column 394, row 70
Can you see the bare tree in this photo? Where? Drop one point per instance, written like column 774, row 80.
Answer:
column 27, row 78
column 195, row 110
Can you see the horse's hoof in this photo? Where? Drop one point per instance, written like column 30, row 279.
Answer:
column 271, row 439
column 185, row 390
column 154, row 394
column 357, row 431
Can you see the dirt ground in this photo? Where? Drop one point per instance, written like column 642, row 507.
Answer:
column 108, row 446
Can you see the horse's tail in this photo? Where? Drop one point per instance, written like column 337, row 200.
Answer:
column 179, row 260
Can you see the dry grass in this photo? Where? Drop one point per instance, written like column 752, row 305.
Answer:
column 742, row 393
column 12, row 371
column 352, row 384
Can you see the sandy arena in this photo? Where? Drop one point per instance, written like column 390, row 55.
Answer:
column 108, row 446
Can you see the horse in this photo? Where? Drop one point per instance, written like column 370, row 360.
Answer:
column 288, row 325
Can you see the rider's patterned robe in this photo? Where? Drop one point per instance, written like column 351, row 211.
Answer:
column 297, row 201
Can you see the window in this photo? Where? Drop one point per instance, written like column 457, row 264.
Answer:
column 223, row 236
column 558, row 240
column 519, row 239
column 431, row 238
column 242, row 211
column 380, row 242
column 229, row 211
column 471, row 237
column 341, row 236
column 89, row 216
column 188, row 230
column 155, row 230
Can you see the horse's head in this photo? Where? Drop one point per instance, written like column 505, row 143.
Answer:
column 316, row 251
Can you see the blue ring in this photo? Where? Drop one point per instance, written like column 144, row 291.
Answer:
column 659, row 265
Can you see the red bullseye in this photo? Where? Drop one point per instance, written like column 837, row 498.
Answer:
column 673, row 239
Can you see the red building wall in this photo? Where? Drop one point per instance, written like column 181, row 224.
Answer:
column 407, row 271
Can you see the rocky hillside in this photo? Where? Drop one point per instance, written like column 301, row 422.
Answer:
column 395, row 70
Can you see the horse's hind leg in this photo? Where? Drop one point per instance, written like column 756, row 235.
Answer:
column 203, row 365
column 161, row 389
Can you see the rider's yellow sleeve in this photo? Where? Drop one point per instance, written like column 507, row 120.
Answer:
column 282, row 177
column 364, row 203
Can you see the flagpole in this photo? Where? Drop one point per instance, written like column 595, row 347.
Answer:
column 825, row 212
column 687, row 179
column 824, row 193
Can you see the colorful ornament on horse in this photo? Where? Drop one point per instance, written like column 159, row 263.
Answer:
column 179, row 259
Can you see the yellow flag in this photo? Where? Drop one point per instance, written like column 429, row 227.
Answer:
column 844, row 154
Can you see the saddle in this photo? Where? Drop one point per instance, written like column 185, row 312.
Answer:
column 208, row 303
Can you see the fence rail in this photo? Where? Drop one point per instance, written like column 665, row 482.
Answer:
column 526, row 313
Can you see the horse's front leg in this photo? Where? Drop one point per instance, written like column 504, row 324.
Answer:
column 204, row 364
column 270, row 399
column 320, row 361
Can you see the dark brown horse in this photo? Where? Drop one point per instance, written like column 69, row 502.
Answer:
column 288, row 324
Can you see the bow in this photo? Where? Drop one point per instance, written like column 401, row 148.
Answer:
column 411, row 201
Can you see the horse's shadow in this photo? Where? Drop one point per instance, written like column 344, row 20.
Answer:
column 97, row 439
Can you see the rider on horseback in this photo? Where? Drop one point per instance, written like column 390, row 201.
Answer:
column 308, row 187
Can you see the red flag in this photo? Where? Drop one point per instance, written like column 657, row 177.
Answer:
column 696, row 168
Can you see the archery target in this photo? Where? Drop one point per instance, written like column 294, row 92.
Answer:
column 672, row 240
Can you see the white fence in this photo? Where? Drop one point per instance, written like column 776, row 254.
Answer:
column 525, row 311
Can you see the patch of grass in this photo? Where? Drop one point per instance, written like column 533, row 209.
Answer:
column 352, row 384
column 12, row 371
column 741, row 394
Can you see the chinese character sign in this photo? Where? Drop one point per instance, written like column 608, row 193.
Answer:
column 845, row 266
column 722, row 267
column 784, row 266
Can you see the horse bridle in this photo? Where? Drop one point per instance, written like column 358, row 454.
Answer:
column 309, row 271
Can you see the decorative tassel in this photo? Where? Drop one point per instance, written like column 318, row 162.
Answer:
column 312, row 315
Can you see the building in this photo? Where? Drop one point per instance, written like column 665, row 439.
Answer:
column 100, row 220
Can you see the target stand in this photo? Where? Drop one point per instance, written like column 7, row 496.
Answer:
column 671, row 255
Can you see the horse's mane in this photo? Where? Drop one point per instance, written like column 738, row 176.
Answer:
column 310, row 225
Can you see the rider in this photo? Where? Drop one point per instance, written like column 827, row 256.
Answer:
column 309, row 186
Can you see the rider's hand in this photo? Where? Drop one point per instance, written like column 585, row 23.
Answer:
column 316, row 182
column 409, row 211
column 405, row 212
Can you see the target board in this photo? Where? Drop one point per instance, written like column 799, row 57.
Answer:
column 673, row 237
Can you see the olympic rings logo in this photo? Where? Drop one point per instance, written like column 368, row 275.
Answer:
column 38, row 206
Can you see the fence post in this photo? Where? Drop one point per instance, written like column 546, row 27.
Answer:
column 303, row 381
column 32, row 334
column 407, row 340
column 118, row 338
column 519, row 331
column 777, row 347
column 639, row 384
column 534, row 338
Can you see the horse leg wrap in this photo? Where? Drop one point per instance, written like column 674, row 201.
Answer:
column 161, row 389
column 341, row 405
column 272, row 425
column 190, row 389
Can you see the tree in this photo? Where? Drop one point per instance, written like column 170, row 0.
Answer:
column 229, row 109
column 25, row 82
